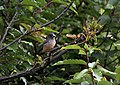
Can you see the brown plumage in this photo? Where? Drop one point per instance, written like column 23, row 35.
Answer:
column 48, row 44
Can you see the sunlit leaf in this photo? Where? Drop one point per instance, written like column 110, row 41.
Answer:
column 105, row 70
column 27, row 27
column 31, row 8
column 49, row 29
column 74, row 10
column 60, row 1
column 27, row 43
column 71, row 47
column 111, row 4
column 101, row 11
column 86, row 47
column 117, row 70
column 81, row 74
column 1, row 7
column 98, row 49
column 82, row 51
column 93, row 64
column 97, row 74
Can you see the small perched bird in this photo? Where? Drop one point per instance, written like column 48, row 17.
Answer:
column 48, row 44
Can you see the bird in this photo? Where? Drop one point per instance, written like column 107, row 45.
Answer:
column 48, row 44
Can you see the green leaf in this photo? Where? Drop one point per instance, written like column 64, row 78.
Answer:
column 74, row 10
column 117, row 44
column 27, row 27
column 82, row 51
column 29, row 43
column 43, row 2
column 81, row 74
column 49, row 29
column 71, row 47
column 105, row 70
column 103, row 82
column 86, row 47
column 111, row 4
column 89, row 48
column 117, row 70
column 97, row 74
column 13, row 47
column 60, row 1
column 98, row 49
column 70, row 61
column 14, row 32
column 1, row 8
column 28, row 2
column 93, row 64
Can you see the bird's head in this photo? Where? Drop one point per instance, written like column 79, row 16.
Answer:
column 51, row 36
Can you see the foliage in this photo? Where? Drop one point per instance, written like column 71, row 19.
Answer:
column 88, row 42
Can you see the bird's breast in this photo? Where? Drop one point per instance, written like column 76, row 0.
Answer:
column 49, row 45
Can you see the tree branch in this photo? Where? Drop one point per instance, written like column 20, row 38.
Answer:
column 33, row 70
column 36, row 68
column 26, row 32
column 14, row 41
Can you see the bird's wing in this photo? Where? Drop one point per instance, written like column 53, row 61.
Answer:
column 40, row 46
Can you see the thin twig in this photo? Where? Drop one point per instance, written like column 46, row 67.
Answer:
column 8, row 27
